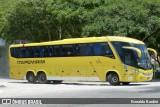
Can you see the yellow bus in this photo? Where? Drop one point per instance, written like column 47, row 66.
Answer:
column 118, row 60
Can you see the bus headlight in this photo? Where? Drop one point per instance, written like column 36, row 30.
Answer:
column 139, row 72
column 147, row 74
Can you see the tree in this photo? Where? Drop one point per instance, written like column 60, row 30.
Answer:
column 137, row 19
column 43, row 20
column 30, row 21
column 5, row 7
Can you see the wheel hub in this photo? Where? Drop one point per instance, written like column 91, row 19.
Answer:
column 115, row 79
column 30, row 78
column 42, row 78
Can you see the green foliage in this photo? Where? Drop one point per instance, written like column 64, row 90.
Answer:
column 5, row 7
column 43, row 20
column 137, row 19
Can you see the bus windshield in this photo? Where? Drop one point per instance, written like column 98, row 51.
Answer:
column 144, row 62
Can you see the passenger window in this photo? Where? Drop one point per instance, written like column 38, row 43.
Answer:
column 45, row 51
column 31, row 52
column 15, row 52
column 50, row 49
column 76, row 50
column 86, row 49
column 82, row 48
column 97, row 49
column 102, row 49
column 67, row 50
column 106, row 50
column 23, row 53
column 56, row 51
column 37, row 52
column 41, row 52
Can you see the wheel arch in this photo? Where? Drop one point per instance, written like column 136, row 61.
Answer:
column 30, row 71
column 42, row 79
column 115, row 72
column 41, row 71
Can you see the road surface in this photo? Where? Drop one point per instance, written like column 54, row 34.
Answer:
column 10, row 88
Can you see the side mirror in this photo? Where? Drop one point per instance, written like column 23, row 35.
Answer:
column 138, row 51
column 153, row 51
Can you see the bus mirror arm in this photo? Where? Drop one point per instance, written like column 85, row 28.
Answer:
column 138, row 51
column 153, row 51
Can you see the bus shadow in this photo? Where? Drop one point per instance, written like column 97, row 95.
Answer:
column 80, row 84
column 135, row 85
column 83, row 84
column 86, row 84
column 21, row 82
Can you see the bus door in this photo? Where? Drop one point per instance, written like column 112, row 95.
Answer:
column 129, row 65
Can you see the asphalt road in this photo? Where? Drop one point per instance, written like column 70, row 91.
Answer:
column 22, row 89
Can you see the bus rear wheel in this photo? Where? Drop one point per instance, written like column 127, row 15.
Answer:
column 125, row 83
column 31, row 78
column 42, row 78
column 113, row 79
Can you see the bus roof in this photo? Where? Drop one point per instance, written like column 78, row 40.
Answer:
column 83, row 40
column 124, row 39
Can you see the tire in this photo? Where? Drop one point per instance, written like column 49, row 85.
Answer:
column 125, row 83
column 42, row 79
column 31, row 78
column 113, row 79
column 57, row 81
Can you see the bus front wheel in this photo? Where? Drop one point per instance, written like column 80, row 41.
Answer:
column 42, row 78
column 113, row 79
column 31, row 78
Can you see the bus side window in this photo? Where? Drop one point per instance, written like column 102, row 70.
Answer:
column 23, row 53
column 15, row 52
column 106, row 50
column 89, row 50
column 45, row 51
column 56, row 50
column 92, row 53
column 97, row 49
column 37, row 52
column 41, row 52
column 76, row 50
column 50, row 49
column 67, row 50
column 31, row 52
column 82, row 49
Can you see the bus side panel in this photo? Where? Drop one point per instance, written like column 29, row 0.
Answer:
column 23, row 71
column 14, row 72
column 78, row 72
